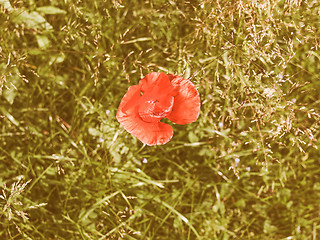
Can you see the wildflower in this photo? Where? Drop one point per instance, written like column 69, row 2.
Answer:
column 157, row 96
column 237, row 160
column 269, row 92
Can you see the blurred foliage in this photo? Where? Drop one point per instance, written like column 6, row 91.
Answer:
column 247, row 169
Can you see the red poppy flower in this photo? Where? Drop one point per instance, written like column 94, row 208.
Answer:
column 157, row 96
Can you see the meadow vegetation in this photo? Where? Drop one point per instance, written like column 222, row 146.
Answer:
column 248, row 168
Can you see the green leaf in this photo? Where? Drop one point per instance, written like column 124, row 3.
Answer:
column 193, row 137
column 241, row 203
column 268, row 227
column 57, row 58
column 43, row 41
column 94, row 132
column 6, row 4
column 51, row 10
column 9, row 95
column 35, row 51
column 13, row 82
column 32, row 20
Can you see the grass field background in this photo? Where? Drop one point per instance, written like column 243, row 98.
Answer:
column 248, row 168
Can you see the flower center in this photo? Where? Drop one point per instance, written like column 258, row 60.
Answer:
column 155, row 110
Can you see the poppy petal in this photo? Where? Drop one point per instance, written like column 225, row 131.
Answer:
column 156, row 133
column 150, row 133
column 156, row 83
column 129, row 100
column 186, row 107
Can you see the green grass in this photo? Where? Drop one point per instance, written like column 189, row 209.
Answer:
column 248, row 168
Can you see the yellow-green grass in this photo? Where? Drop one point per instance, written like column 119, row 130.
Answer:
column 248, row 168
